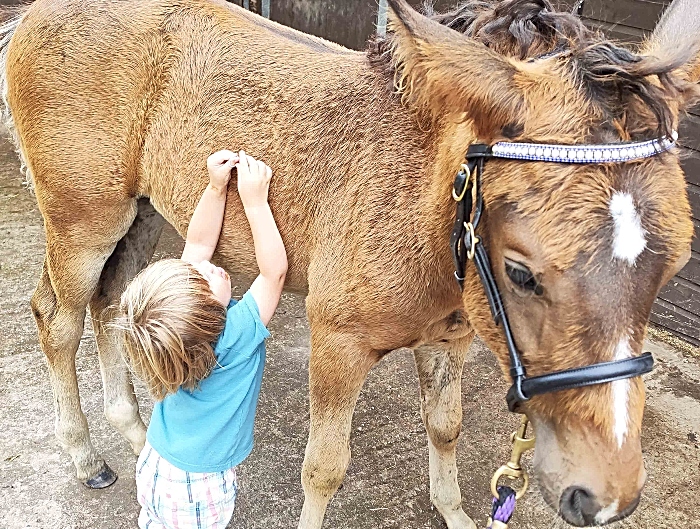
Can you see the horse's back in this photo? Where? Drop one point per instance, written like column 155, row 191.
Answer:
column 115, row 100
column 78, row 90
column 87, row 77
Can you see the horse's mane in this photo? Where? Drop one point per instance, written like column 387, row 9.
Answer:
column 613, row 77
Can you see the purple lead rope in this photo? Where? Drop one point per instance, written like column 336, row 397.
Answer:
column 503, row 507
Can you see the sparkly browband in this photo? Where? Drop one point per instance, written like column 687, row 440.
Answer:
column 612, row 152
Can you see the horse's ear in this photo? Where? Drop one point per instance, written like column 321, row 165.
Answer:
column 441, row 72
column 676, row 38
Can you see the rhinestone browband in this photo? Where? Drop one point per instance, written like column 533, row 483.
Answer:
column 607, row 153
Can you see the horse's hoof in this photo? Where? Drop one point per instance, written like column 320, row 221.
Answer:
column 103, row 479
column 459, row 520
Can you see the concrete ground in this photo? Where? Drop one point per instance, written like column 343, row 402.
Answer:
column 387, row 482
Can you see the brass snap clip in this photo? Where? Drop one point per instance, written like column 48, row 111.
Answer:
column 512, row 469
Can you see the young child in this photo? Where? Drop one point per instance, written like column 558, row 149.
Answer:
column 201, row 355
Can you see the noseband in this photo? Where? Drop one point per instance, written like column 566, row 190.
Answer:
column 468, row 245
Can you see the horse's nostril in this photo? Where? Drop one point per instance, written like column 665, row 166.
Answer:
column 578, row 506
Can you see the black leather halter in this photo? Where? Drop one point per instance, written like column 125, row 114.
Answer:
column 467, row 245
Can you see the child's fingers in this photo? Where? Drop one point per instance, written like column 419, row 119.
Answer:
column 251, row 169
column 220, row 158
column 242, row 164
column 227, row 156
column 261, row 169
column 253, row 164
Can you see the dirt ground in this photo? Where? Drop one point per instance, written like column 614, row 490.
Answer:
column 387, row 482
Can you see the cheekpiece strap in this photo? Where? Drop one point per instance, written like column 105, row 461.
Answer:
column 462, row 240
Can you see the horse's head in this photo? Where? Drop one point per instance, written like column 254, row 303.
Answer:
column 579, row 252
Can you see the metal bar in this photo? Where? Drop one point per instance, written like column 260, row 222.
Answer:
column 265, row 8
column 246, row 4
column 381, row 18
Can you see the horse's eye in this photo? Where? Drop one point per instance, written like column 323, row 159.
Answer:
column 522, row 277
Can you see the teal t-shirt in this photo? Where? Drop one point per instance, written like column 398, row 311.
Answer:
column 210, row 429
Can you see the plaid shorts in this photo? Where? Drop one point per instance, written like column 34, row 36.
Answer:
column 171, row 498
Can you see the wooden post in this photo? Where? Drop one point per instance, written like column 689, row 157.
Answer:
column 381, row 18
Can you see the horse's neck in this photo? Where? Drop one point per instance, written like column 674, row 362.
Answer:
column 382, row 151
column 387, row 175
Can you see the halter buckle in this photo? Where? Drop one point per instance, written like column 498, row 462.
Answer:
column 473, row 240
column 512, row 469
column 466, row 173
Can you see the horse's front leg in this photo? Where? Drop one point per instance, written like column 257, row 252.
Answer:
column 338, row 367
column 440, row 373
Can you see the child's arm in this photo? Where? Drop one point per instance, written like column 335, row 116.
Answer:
column 253, row 184
column 205, row 225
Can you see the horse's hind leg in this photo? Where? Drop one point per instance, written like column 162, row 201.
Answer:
column 132, row 254
column 72, row 268
column 440, row 373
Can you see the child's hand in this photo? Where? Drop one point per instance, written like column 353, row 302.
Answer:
column 253, row 180
column 220, row 164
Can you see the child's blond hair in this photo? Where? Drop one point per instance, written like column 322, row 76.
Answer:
column 170, row 319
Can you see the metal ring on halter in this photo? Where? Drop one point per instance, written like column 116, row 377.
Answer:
column 467, row 172
column 473, row 238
